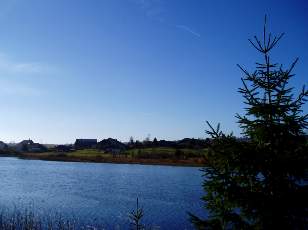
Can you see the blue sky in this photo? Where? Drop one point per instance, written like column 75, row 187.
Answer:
column 119, row 68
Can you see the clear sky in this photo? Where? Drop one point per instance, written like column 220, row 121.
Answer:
column 119, row 68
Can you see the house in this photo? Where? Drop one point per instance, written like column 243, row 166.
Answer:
column 85, row 143
column 3, row 146
column 29, row 146
column 23, row 145
column 36, row 148
column 111, row 145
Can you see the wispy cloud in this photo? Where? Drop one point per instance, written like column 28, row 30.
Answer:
column 153, row 9
column 11, row 72
column 9, row 66
column 18, row 89
column 188, row 29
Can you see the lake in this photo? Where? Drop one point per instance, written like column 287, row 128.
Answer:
column 102, row 192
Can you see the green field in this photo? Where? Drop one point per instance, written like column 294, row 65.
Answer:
column 146, row 153
column 155, row 155
column 165, row 153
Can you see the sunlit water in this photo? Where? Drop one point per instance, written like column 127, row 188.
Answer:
column 103, row 193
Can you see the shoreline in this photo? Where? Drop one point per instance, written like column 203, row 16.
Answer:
column 114, row 160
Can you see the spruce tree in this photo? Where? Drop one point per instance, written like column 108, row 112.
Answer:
column 260, row 183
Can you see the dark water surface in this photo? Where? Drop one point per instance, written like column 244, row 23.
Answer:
column 103, row 192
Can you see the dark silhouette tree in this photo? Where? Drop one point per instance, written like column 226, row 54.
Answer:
column 260, row 183
column 155, row 142
column 131, row 140
column 135, row 217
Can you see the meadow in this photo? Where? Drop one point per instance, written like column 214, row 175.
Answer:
column 154, row 155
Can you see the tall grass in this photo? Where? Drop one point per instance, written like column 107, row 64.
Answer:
column 28, row 220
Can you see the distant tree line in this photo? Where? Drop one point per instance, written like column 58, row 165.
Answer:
column 189, row 143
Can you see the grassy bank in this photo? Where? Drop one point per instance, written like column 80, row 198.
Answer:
column 156, row 156
column 28, row 219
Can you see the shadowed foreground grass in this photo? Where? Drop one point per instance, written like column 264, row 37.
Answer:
column 28, row 220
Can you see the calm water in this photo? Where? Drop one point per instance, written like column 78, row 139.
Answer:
column 103, row 192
